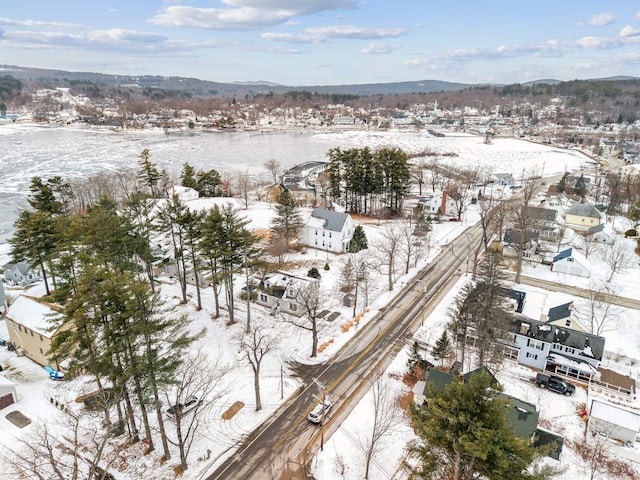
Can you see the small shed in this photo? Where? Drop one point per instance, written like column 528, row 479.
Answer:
column 613, row 421
column 8, row 393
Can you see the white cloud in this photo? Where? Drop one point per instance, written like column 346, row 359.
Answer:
column 378, row 48
column 244, row 14
column 288, row 37
column 597, row 42
column 601, row 19
column 637, row 16
column 219, row 19
column 35, row 23
column 350, row 31
column 300, row 7
column 629, row 31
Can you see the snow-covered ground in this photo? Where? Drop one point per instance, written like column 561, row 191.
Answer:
column 35, row 390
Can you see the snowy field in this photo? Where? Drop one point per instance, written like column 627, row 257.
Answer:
column 342, row 457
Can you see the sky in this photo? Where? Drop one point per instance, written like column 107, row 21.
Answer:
column 326, row 42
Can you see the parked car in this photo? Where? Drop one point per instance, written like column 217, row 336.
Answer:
column 555, row 384
column 315, row 416
column 183, row 408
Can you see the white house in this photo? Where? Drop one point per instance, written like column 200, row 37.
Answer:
column 8, row 394
column 613, row 421
column 571, row 262
column 21, row 273
column 327, row 230
column 278, row 291
column 185, row 194
column 544, row 344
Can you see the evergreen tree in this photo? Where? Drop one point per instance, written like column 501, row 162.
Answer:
column 188, row 177
column 394, row 169
column 581, row 186
column 209, row 183
column 414, row 356
column 562, row 183
column 464, row 434
column 172, row 218
column 359, row 240
column 34, row 240
column 148, row 173
column 212, row 247
column 287, row 221
column 442, row 348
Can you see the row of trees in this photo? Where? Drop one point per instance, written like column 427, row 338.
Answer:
column 367, row 181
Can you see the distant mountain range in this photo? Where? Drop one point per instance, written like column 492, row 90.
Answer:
column 197, row 87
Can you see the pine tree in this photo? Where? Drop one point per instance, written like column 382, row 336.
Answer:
column 287, row 221
column 464, row 434
column 562, row 183
column 359, row 240
column 188, row 177
column 148, row 173
column 414, row 356
column 581, row 186
column 442, row 348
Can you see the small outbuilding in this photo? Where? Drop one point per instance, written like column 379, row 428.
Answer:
column 8, row 393
column 613, row 421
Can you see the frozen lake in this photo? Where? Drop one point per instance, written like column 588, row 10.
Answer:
column 30, row 150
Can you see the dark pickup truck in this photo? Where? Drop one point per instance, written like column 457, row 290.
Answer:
column 555, row 384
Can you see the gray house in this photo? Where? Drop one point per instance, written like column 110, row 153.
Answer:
column 3, row 299
column 21, row 273
column 544, row 344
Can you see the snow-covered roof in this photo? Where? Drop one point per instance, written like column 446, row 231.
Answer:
column 331, row 220
column 615, row 415
column 583, row 210
column 34, row 315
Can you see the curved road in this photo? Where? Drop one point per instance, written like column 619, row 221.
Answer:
column 287, row 440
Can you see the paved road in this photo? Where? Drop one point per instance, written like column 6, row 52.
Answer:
column 287, row 439
column 580, row 292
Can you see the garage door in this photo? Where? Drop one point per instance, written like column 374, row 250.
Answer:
column 6, row 400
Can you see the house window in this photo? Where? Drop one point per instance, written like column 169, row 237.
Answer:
column 323, row 234
column 41, row 352
column 316, row 239
column 316, row 232
column 293, row 307
column 31, row 331
column 263, row 297
column 329, row 244
column 567, row 323
column 570, row 260
column 532, row 355
column 570, row 350
column 41, row 338
column 329, row 234
column 535, row 344
column 20, row 327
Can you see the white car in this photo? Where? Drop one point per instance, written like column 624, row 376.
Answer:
column 191, row 403
column 315, row 416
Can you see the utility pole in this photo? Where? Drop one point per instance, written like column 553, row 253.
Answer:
column 323, row 391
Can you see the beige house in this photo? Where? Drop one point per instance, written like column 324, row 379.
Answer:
column 581, row 217
column 32, row 325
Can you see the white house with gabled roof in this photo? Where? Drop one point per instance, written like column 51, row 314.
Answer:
column 327, row 230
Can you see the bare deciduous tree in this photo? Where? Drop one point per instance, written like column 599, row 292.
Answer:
column 588, row 245
column 254, row 346
column 309, row 299
column 597, row 311
column 204, row 379
column 386, row 416
column 244, row 185
column 411, row 247
column 274, row 167
column 388, row 249
column 73, row 450
column 617, row 257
